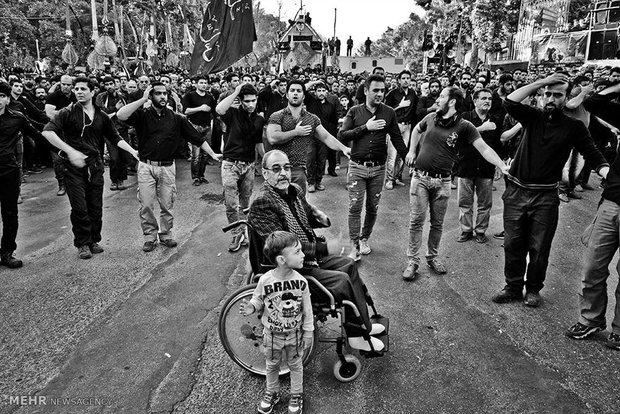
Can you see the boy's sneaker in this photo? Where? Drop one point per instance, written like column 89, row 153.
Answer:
column 581, row 331
column 613, row 341
column 436, row 266
column 235, row 243
column 364, row 247
column 270, row 399
column 296, row 404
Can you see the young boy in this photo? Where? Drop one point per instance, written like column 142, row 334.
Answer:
column 284, row 296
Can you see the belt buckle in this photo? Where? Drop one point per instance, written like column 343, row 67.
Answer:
column 368, row 164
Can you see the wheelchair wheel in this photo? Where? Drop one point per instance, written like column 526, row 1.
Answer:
column 242, row 336
column 348, row 371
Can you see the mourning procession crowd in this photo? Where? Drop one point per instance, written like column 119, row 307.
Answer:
column 544, row 131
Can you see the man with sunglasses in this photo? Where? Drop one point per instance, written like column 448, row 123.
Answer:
column 84, row 128
column 531, row 197
column 282, row 205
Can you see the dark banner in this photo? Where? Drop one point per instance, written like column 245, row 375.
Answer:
column 226, row 35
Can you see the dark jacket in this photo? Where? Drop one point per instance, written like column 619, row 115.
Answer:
column 471, row 164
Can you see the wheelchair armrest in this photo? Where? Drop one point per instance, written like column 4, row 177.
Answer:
column 233, row 225
column 352, row 306
column 332, row 302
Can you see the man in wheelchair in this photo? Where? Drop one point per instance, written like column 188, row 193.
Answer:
column 281, row 205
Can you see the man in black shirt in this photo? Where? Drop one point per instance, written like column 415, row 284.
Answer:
column 12, row 124
column 111, row 101
column 475, row 173
column 404, row 100
column 84, row 127
column 367, row 125
column 198, row 106
column 349, row 46
column 428, row 104
column 60, row 98
column 159, row 131
column 601, row 239
column 245, row 137
column 531, row 197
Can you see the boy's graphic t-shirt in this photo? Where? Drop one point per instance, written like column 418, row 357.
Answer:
column 285, row 303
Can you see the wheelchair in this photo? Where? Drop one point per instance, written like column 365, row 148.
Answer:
column 242, row 336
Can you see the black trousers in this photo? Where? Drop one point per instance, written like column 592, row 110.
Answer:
column 315, row 161
column 85, row 192
column 340, row 276
column 530, row 222
column 9, row 192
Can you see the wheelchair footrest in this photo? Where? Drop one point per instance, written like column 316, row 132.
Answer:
column 385, row 338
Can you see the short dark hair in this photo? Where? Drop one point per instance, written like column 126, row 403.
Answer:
column 456, row 94
column 199, row 77
column 90, row 83
column 296, row 82
column 247, row 89
column 615, row 69
column 404, row 72
column 482, row 90
column 373, row 78
column 15, row 80
column 276, row 242
column 377, row 68
column 154, row 84
column 320, row 85
column 434, row 80
column 230, row 76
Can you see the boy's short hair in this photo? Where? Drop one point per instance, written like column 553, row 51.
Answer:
column 276, row 242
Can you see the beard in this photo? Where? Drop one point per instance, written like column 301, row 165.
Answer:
column 441, row 111
column 160, row 103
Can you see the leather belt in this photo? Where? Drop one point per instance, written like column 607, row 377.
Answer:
column 237, row 161
column 431, row 175
column 369, row 163
column 157, row 163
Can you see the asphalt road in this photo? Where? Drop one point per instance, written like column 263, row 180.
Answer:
column 129, row 332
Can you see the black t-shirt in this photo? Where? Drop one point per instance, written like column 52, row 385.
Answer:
column 244, row 132
column 60, row 100
column 439, row 150
column 193, row 100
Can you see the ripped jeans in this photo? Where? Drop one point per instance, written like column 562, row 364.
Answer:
column 364, row 184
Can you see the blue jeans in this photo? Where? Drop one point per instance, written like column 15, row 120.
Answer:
column 427, row 193
column 299, row 177
column 394, row 165
column 530, row 221
column 483, row 188
column 238, row 183
column 602, row 241
column 200, row 156
column 156, row 184
column 364, row 184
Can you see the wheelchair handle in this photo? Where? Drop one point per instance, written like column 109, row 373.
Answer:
column 332, row 302
column 234, row 225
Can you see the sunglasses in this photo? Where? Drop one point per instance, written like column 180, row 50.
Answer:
column 277, row 169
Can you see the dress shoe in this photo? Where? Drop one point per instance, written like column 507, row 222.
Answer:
column 168, row 242
column 532, row 299
column 505, row 296
column 7, row 259
column 466, row 236
column 149, row 246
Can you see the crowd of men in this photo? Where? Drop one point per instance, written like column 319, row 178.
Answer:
column 543, row 130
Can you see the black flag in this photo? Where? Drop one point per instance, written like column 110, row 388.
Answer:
column 227, row 34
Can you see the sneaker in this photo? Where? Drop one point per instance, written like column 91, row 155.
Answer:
column 113, row 187
column 355, row 254
column 581, row 331
column 571, row 194
column 399, row 183
column 149, row 246
column 20, row 199
column 587, row 187
column 84, row 252
column 320, row 187
column 235, row 243
column 95, row 248
column 196, row 182
column 578, row 188
column 499, row 236
column 436, row 266
column 120, row 185
column 453, row 185
column 465, row 236
column 35, row 170
column 8, row 259
column 364, row 247
column 613, row 341
column 532, row 299
column 505, row 296
column 61, row 191
column 168, row 242
column 296, row 404
column 411, row 272
column 481, row 238
column 311, row 188
column 337, row 167
column 270, row 399
column 389, row 185
column 563, row 197
column 204, row 180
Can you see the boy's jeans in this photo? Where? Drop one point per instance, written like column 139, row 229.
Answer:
column 288, row 346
